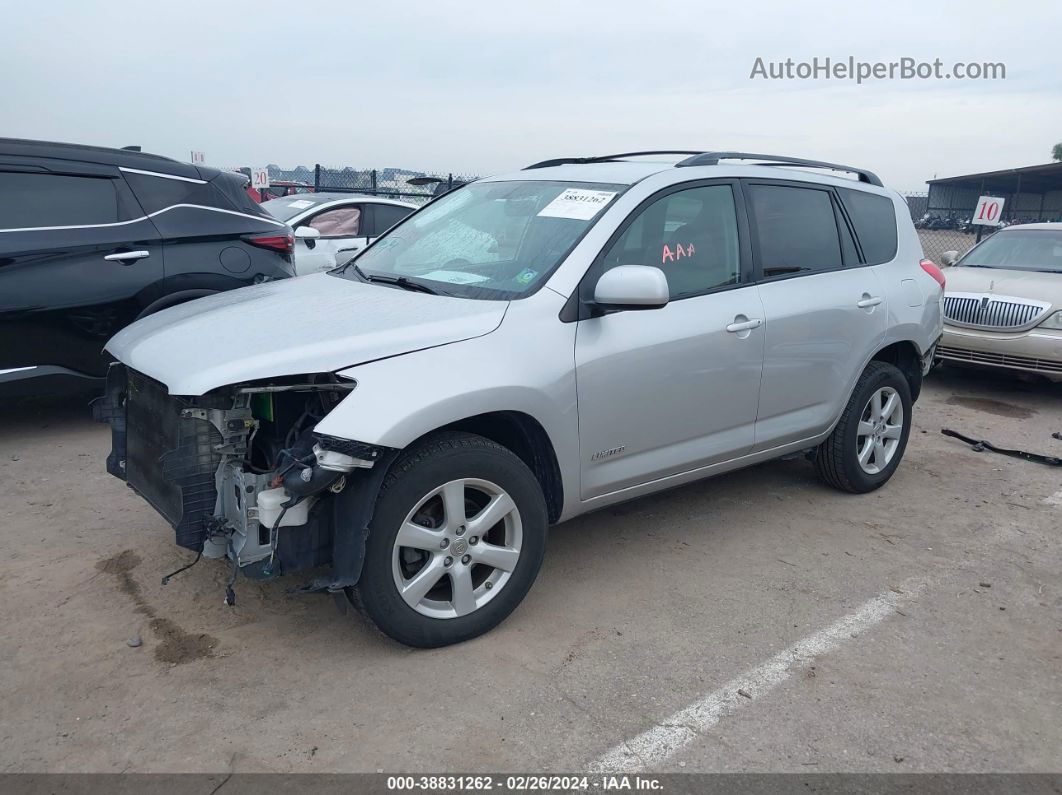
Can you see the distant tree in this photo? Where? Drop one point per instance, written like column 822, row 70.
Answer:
column 1056, row 153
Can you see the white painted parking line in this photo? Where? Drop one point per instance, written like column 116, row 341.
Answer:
column 1054, row 499
column 652, row 747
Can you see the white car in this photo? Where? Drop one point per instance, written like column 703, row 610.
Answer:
column 331, row 224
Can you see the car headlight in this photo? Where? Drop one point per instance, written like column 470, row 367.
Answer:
column 1053, row 321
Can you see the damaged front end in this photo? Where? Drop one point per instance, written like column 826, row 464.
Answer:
column 240, row 474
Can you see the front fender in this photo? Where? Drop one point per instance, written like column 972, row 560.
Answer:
column 400, row 399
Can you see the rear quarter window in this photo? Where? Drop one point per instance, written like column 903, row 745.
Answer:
column 225, row 191
column 874, row 219
column 158, row 193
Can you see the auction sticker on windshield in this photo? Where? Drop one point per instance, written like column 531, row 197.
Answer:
column 577, row 203
column 455, row 277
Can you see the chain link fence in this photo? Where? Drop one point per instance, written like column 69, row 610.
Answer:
column 416, row 187
column 940, row 232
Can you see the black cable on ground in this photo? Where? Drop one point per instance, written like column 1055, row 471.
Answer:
column 980, row 445
column 172, row 574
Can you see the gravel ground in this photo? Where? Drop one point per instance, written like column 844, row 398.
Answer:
column 640, row 610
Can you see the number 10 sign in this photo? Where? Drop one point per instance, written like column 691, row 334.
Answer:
column 988, row 211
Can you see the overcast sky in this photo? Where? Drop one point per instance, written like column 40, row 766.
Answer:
column 483, row 87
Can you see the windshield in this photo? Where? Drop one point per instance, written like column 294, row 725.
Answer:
column 494, row 240
column 286, row 208
column 1019, row 249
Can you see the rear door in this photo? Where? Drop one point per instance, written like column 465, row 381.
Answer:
column 77, row 260
column 825, row 313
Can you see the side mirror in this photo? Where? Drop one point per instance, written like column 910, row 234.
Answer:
column 306, row 233
column 949, row 258
column 632, row 287
column 344, row 256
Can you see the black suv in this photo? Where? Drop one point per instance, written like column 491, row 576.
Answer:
column 92, row 239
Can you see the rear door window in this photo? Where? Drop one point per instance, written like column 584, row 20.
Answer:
column 874, row 219
column 795, row 230
column 36, row 200
column 385, row 216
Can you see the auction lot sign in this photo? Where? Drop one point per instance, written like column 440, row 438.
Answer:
column 259, row 178
column 988, row 211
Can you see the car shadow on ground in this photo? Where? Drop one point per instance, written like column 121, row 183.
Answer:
column 58, row 412
column 962, row 379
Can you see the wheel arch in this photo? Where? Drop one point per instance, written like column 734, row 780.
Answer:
column 172, row 299
column 525, row 437
column 907, row 358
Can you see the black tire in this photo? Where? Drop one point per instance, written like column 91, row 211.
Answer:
column 836, row 460
column 437, row 460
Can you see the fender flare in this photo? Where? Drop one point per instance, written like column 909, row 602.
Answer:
column 352, row 513
column 874, row 356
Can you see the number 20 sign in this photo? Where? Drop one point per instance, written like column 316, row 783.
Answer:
column 988, row 211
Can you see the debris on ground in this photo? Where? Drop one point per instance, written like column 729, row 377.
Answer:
column 980, row 445
column 985, row 584
column 134, row 641
column 743, row 692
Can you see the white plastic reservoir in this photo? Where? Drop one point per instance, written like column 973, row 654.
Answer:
column 270, row 506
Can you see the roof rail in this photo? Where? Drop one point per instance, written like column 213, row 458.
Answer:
column 565, row 161
column 713, row 158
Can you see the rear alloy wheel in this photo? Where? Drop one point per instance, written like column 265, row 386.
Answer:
column 880, row 430
column 456, row 541
column 870, row 438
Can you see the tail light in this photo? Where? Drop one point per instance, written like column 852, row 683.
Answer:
column 283, row 243
column 934, row 271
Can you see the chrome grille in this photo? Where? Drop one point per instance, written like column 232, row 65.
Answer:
column 1000, row 359
column 992, row 311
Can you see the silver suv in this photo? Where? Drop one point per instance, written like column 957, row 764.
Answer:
column 522, row 350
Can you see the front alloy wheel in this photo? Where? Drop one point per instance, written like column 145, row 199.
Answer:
column 456, row 541
column 457, row 549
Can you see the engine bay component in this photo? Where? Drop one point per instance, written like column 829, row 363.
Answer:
column 272, row 511
column 238, row 472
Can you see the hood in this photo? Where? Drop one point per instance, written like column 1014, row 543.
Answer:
column 1038, row 286
column 310, row 324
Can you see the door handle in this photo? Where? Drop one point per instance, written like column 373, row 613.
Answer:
column 126, row 256
column 745, row 325
column 868, row 301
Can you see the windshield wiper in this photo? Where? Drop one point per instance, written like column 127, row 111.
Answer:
column 397, row 281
